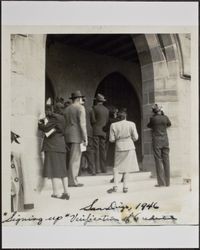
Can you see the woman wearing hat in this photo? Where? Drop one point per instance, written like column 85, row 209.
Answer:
column 55, row 150
column 123, row 133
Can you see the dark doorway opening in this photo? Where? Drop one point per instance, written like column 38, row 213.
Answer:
column 49, row 90
column 120, row 93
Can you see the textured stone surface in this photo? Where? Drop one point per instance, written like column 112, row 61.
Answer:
column 160, row 70
column 145, row 58
column 157, row 54
column 147, row 72
column 27, row 93
column 152, row 40
column 170, row 53
column 140, row 43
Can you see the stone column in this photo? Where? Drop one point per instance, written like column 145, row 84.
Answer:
column 28, row 95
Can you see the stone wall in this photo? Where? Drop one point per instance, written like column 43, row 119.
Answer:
column 70, row 69
column 27, row 95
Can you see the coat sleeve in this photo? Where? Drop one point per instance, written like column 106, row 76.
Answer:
column 168, row 122
column 150, row 125
column 134, row 133
column 92, row 117
column 46, row 128
column 82, row 120
column 112, row 134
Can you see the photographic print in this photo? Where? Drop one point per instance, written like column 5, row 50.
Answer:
column 100, row 126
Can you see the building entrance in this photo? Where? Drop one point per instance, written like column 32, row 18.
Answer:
column 119, row 93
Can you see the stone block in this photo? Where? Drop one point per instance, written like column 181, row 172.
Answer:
column 147, row 109
column 147, row 72
column 152, row 40
column 151, row 97
column 173, row 68
column 145, row 98
column 175, row 121
column 166, row 39
column 145, row 58
column 160, row 70
column 170, row 83
column 140, row 43
column 148, row 86
column 147, row 135
column 170, row 53
column 160, row 84
column 166, row 96
column 157, row 54
column 147, row 148
column 149, row 163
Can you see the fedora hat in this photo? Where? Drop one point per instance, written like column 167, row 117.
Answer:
column 100, row 98
column 76, row 94
column 156, row 108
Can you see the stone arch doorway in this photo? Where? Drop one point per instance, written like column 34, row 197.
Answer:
column 120, row 93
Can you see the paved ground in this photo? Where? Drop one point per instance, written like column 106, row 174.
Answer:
column 176, row 200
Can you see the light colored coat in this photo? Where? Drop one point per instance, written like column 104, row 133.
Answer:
column 75, row 130
column 123, row 133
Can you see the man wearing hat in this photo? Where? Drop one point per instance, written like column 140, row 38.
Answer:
column 159, row 124
column 99, row 118
column 75, row 134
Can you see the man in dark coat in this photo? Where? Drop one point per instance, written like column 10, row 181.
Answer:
column 159, row 124
column 99, row 118
column 75, row 135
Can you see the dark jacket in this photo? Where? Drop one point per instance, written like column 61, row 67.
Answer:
column 55, row 142
column 99, row 119
column 159, row 123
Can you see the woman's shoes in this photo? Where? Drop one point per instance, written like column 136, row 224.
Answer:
column 63, row 196
column 112, row 190
column 125, row 190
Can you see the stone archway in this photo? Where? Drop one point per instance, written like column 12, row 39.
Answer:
column 119, row 92
column 159, row 67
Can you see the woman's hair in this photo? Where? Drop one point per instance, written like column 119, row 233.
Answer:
column 122, row 113
column 58, row 108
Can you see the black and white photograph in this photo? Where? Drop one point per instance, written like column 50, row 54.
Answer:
column 100, row 126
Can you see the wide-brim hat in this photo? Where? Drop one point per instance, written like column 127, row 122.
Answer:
column 100, row 98
column 76, row 94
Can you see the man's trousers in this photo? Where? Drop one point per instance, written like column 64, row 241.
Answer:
column 74, row 160
column 161, row 156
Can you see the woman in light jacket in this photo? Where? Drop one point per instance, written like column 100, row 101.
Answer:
column 123, row 133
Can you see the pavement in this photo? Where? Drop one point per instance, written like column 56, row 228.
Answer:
column 178, row 199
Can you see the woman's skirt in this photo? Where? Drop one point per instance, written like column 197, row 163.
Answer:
column 54, row 165
column 126, row 161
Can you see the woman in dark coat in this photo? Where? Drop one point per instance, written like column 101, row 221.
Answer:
column 55, row 150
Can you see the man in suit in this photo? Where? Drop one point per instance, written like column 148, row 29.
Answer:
column 99, row 118
column 75, row 134
column 88, row 155
column 159, row 124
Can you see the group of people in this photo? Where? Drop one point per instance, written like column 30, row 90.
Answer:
column 73, row 132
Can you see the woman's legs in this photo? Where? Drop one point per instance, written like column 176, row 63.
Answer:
column 55, row 186
column 125, row 180
column 116, row 177
column 65, row 184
